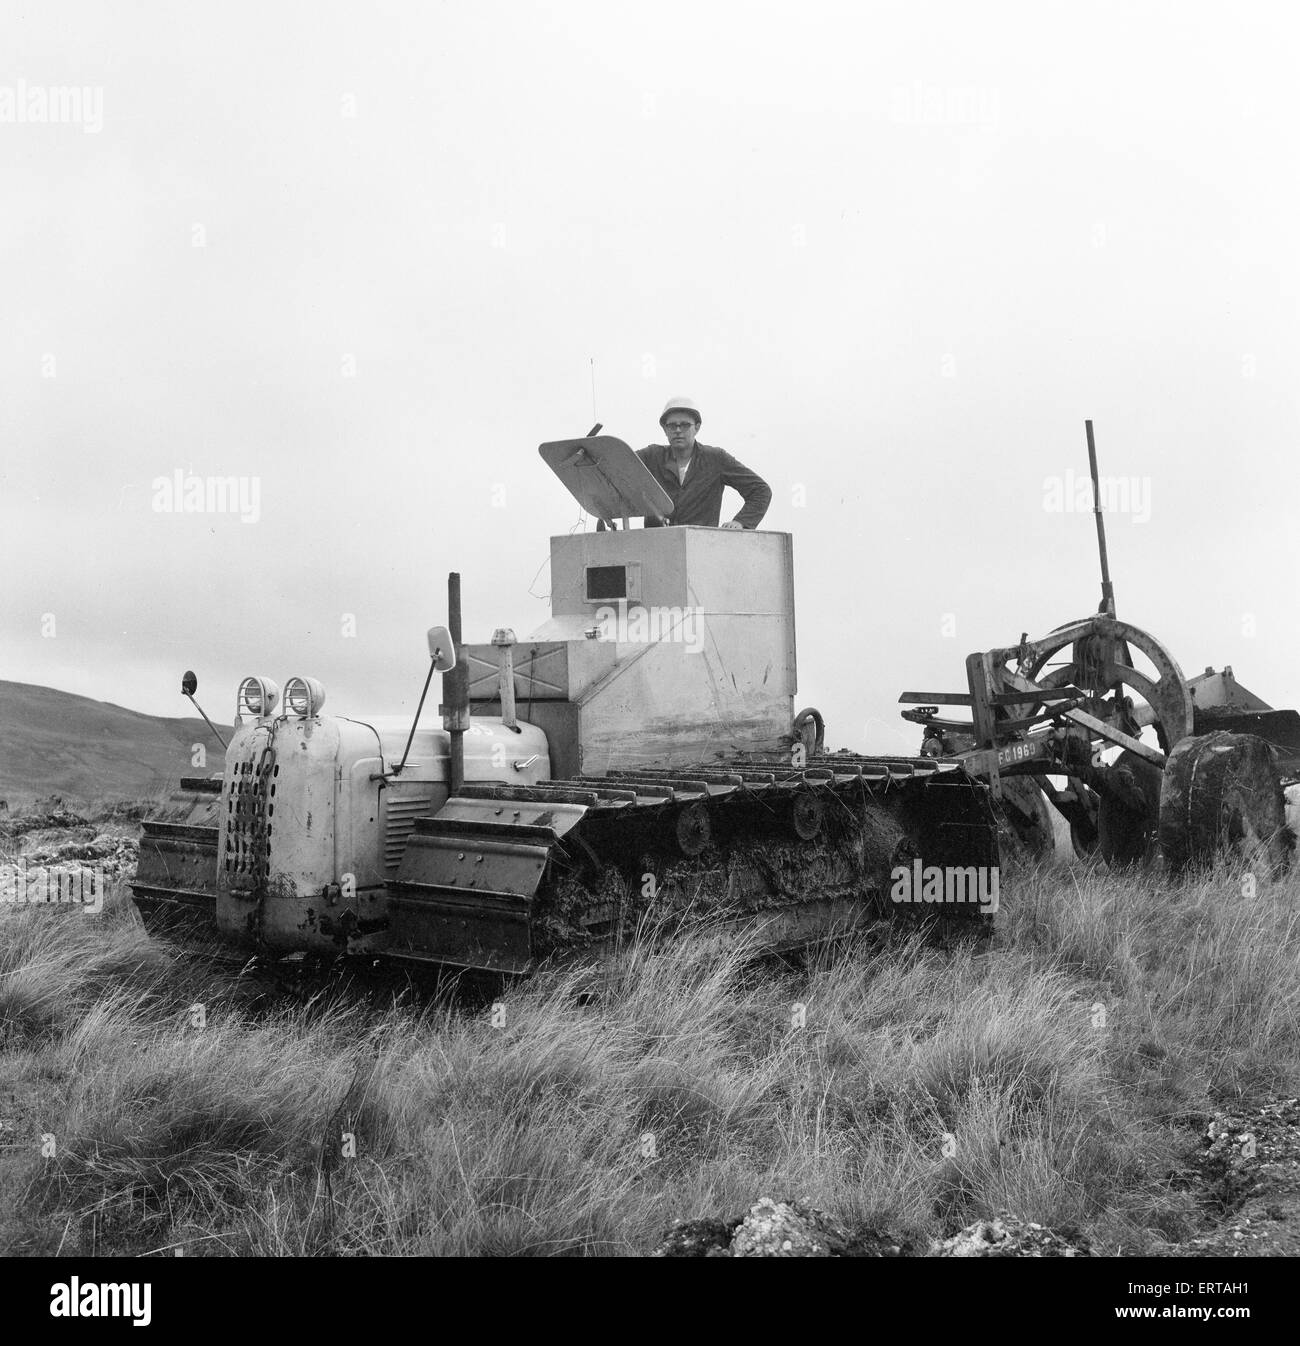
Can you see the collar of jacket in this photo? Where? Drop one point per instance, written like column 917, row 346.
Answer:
column 666, row 451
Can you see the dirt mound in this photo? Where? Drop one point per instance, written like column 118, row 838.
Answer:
column 790, row 1229
column 777, row 1229
column 1005, row 1236
column 45, row 815
column 65, row 848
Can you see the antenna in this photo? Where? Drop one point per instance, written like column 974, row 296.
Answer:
column 593, row 389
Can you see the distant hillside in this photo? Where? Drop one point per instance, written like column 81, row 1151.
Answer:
column 53, row 742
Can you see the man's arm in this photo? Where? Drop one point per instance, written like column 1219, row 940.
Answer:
column 756, row 492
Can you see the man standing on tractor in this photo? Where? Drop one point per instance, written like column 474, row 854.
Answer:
column 694, row 475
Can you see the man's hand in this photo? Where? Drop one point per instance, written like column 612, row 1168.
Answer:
column 731, row 523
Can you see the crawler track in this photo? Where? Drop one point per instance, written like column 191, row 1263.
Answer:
column 502, row 878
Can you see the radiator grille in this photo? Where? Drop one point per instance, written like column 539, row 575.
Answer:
column 403, row 810
column 250, row 817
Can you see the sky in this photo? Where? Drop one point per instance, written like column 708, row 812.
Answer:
column 364, row 258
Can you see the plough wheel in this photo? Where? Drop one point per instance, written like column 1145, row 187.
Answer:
column 1127, row 836
column 1222, row 791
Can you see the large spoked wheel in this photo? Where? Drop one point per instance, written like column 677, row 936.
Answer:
column 1100, row 659
column 1222, row 792
column 1132, row 683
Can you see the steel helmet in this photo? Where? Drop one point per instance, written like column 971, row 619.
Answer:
column 681, row 404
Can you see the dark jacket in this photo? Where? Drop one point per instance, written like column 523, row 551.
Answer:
column 698, row 500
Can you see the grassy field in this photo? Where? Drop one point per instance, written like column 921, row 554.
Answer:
column 895, row 1084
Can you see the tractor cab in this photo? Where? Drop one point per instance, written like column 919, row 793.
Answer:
column 664, row 645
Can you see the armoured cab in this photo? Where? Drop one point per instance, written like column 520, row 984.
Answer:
column 664, row 646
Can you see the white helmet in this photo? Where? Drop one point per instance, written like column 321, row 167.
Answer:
column 681, row 404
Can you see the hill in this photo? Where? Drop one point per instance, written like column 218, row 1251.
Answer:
column 54, row 742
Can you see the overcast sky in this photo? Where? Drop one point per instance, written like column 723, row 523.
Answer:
column 363, row 256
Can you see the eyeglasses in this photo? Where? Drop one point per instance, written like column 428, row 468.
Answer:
column 679, row 425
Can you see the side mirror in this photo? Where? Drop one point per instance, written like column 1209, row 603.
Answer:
column 189, row 684
column 441, row 649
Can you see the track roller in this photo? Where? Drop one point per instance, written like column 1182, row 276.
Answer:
column 692, row 830
column 807, row 813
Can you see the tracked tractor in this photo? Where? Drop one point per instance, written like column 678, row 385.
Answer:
column 634, row 763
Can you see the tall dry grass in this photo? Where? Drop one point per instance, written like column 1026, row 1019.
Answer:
column 893, row 1083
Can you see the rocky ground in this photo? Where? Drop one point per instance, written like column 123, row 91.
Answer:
column 788, row 1229
column 1243, row 1166
column 58, row 837
column 1246, row 1171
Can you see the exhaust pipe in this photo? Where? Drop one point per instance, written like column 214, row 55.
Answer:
column 455, row 689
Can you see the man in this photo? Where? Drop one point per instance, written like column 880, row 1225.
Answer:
column 694, row 475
